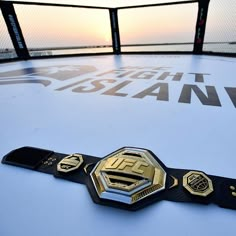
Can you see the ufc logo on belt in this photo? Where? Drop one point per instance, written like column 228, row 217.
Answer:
column 126, row 165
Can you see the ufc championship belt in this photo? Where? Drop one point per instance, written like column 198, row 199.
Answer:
column 128, row 178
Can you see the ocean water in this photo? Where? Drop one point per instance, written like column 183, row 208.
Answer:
column 216, row 47
column 227, row 48
column 82, row 50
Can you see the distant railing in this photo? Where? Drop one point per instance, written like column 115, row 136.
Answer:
column 19, row 50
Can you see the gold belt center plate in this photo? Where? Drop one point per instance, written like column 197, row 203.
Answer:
column 128, row 175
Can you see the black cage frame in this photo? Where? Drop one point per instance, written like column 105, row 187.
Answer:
column 17, row 37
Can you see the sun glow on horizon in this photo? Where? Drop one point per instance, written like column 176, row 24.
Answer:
column 107, row 38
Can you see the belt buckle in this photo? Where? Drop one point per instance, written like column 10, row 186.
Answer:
column 128, row 176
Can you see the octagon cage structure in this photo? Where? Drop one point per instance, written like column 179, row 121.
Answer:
column 186, row 27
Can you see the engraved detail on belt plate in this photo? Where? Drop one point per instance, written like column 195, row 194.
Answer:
column 197, row 183
column 175, row 182
column 86, row 167
column 70, row 163
column 128, row 175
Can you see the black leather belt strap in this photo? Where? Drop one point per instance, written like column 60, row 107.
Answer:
column 129, row 178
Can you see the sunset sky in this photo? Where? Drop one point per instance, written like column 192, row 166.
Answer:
column 45, row 26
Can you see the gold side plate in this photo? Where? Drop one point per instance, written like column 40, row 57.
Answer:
column 70, row 163
column 198, row 183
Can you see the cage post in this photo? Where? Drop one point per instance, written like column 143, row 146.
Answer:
column 115, row 31
column 14, row 30
column 200, row 26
